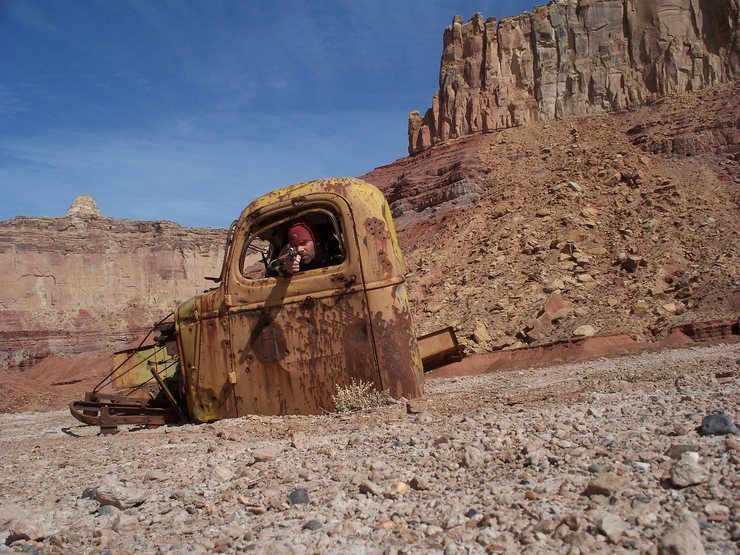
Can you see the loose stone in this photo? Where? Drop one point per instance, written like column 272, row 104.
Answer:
column 298, row 496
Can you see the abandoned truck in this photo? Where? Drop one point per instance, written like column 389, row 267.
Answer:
column 271, row 343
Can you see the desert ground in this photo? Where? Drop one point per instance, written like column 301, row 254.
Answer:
column 523, row 234
column 600, row 456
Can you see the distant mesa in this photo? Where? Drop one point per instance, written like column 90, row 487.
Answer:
column 83, row 205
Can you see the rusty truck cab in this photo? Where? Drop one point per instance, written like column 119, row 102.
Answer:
column 261, row 343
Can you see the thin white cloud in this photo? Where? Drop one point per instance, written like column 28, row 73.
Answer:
column 164, row 172
column 11, row 102
column 175, row 109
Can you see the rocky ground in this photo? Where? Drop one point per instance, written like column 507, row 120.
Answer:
column 600, row 456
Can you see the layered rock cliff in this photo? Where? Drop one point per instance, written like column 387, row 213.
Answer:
column 576, row 57
column 83, row 283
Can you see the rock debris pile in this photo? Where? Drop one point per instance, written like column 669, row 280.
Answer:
column 625, row 223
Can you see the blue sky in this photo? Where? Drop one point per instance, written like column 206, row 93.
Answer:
column 187, row 110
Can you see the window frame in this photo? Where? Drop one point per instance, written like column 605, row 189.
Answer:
column 334, row 216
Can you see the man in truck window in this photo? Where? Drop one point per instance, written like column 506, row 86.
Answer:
column 307, row 252
column 308, row 246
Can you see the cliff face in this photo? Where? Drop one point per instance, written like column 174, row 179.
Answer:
column 576, row 57
column 84, row 283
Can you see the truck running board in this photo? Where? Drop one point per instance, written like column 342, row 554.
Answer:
column 110, row 411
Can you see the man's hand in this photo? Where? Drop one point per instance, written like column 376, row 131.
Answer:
column 292, row 264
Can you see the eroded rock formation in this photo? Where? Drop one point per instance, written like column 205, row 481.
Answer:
column 82, row 283
column 83, row 205
column 572, row 58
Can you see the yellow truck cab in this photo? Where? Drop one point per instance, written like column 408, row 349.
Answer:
column 268, row 343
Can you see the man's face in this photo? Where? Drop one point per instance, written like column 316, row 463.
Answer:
column 306, row 250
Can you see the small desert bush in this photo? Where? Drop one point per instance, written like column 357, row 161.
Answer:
column 15, row 360
column 359, row 396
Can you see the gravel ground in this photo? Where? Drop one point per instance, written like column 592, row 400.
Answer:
column 579, row 458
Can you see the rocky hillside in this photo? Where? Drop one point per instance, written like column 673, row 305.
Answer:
column 604, row 224
column 83, row 283
column 573, row 58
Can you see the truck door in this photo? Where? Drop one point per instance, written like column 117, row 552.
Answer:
column 294, row 339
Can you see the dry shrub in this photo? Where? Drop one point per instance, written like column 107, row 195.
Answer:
column 16, row 360
column 359, row 396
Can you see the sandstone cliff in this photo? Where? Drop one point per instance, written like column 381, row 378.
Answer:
column 84, row 283
column 576, row 57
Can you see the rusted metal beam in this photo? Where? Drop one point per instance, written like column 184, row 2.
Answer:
column 439, row 348
column 168, row 393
